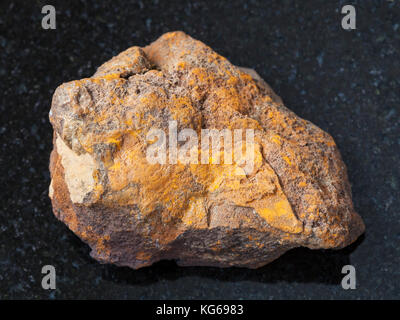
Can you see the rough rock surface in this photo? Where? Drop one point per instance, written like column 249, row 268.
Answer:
column 134, row 213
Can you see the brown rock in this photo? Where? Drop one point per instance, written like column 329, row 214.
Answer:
column 132, row 212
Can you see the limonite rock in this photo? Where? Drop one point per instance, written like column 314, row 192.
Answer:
column 134, row 212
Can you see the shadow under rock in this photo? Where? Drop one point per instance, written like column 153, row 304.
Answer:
column 297, row 265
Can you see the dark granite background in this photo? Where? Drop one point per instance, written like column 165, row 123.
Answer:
column 346, row 82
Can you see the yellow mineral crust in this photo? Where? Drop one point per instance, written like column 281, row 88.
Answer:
column 133, row 212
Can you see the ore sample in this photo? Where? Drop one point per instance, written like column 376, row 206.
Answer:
column 132, row 212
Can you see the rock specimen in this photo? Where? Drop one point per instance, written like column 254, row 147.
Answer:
column 133, row 212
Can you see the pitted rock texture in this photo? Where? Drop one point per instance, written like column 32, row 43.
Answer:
column 134, row 213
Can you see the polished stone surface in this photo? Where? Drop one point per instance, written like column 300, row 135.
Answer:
column 346, row 82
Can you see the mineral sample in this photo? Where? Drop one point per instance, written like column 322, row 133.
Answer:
column 133, row 211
